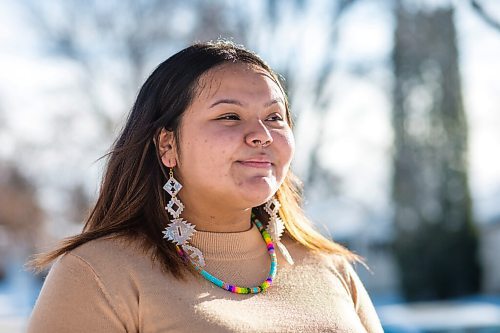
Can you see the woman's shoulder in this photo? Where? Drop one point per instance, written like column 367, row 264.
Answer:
column 339, row 261
column 109, row 259
column 346, row 271
column 109, row 249
column 334, row 263
column 91, row 277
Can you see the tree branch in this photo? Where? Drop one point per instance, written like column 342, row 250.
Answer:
column 479, row 9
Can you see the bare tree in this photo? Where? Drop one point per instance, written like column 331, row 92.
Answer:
column 483, row 13
column 113, row 41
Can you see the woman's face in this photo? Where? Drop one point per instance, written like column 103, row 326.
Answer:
column 235, row 143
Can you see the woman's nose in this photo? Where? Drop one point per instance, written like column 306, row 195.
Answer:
column 258, row 135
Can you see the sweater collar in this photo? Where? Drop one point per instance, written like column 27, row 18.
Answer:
column 230, row 245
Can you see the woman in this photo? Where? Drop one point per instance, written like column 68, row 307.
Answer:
column 187, row 234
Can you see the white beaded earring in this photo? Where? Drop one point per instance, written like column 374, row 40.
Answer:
column 179, row 231
column 275, row 227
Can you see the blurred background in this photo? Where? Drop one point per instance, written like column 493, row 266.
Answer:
column 397, row 117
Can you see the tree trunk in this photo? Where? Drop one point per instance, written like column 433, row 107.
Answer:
column 436, row 244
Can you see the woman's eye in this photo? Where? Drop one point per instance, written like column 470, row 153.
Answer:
column 229, row 117
column 275, row 117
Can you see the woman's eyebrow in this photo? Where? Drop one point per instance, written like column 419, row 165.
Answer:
column 236, row 102
column 274, row 101
column 226, row 101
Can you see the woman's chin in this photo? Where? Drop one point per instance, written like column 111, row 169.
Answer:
column 256, row 196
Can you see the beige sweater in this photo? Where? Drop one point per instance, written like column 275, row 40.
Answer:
column 107, row 286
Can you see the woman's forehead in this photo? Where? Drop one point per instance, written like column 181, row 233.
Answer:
column 237, row 78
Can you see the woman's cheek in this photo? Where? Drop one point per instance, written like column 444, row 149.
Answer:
column 287, row 143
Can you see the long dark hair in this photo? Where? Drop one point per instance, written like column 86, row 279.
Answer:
column 131, row 199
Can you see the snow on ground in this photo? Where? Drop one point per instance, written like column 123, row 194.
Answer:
column 444, row 316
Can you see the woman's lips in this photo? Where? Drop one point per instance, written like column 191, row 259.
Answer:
column 256, row 164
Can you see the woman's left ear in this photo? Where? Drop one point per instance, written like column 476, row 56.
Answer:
column 166, row 146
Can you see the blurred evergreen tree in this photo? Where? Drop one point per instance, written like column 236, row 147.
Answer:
column 437, row 244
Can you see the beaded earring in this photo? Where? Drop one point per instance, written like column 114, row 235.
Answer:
column 180, row 231
column 276, row 227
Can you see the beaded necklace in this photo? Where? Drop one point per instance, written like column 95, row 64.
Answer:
column 242, row 290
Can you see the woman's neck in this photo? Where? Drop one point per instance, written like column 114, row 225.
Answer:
column 217, row 220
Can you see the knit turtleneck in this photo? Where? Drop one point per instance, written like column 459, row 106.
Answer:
column 110, row 286
column 230, row 245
